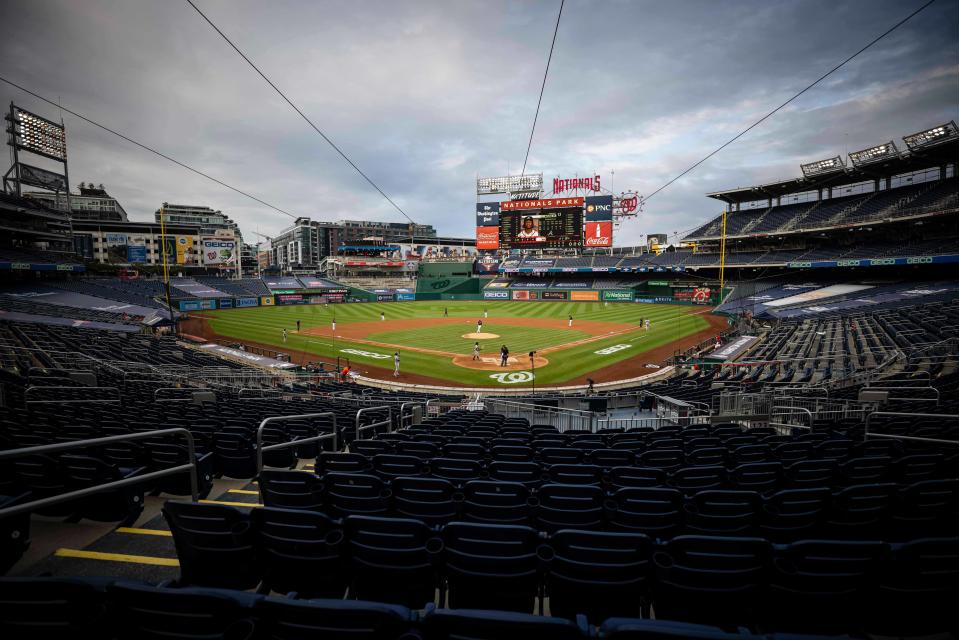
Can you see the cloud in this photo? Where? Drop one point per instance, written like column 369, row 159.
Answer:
column 424, row 97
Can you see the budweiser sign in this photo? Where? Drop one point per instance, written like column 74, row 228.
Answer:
column 552, row 203
column 561, row 185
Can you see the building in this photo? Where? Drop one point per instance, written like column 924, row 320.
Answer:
column 91, row 203
column 207, row 219
column 305, row 244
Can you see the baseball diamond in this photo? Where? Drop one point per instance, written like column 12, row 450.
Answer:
column 606, row 343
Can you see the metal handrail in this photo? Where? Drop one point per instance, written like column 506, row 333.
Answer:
column 789, row 411
column 50, row 501
column 899, row 414
column 930, row 388
column 27, row 391
column 388, row 422
column 403, row 408
column 292, row 443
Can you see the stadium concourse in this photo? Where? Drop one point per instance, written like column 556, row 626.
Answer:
column 798, row 479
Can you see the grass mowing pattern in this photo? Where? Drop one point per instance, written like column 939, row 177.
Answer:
column 449, row 338
column 266, row 324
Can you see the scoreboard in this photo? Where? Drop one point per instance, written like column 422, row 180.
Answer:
column 541, row 224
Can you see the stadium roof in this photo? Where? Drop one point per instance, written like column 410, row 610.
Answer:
column 914, row 159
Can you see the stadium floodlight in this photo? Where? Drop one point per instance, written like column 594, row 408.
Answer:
column 829, row 165
column 38, row 135
column 934, row 136
column 885, row 151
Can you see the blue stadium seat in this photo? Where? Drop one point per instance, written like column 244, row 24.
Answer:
column 356, row 494
column 711, row 580
column 393, row 560
column 467, row 624
column 214, row 544
column 497, row 502
column 599, row 575
column 291, row 489
column 654, row 511
column 286, row 619
column 569, row 506
column 431, row 500
column 300, row 551
column 492, row 566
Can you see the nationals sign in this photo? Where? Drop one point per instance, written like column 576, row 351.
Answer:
column 554, row 203
column 561, row 185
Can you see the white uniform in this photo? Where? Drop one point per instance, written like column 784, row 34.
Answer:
column 284, row 336
column 334, row 325
column 382, row 317
column 571, row 321
column 396, row 364
column 479, row 327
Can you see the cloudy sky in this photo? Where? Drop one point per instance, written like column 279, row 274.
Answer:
column 425, row 96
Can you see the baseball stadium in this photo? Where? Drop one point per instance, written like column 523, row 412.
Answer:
column 550, row 426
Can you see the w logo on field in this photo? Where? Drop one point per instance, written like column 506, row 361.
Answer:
column 513, row 378
column 612, row 349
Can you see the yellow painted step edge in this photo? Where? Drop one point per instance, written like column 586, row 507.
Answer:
column 116, row 557
column 145, row 532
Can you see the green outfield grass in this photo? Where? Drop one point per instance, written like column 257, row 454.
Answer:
column 450, row 337
column 266, row 324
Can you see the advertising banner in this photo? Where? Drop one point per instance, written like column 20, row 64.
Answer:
column 266, row 301
column 384, row 297
column 182, row 249
column 218, row 251
column 574, row 284
column 599, row 209
column 136, row 253
column 487, row 237
column 226, row 303
column 554, row 295
column 598, row 234
column 197, row 305
column 497, row 285
column 496, row 295
column 546, row 203
column 291, row 298
column 487, row 214
column 658, row 283
column 247, row 302
column 591, row 296
column 521, row 295
column 405, row 297
column 618, row 295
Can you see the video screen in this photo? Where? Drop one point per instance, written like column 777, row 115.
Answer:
column 541, row 229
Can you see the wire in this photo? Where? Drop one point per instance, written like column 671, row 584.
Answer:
column 145, row 147
column 542, row 88
column 302, row 115
column 768, row 115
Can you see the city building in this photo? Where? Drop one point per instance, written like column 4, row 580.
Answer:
column 207, row 219
column 90, row 203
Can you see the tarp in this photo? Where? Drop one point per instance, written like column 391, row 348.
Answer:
column 196, row 289
column 252, row 358
column 732, row 349
column 16, row 316
column 50, row 295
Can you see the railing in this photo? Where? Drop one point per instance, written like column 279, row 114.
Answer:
column 562, row 419
column 412, row 416
column 27, row 393
column 897, row 414
column 651, row 423
column 785, row 426
column 932, row 389
column 50, row 501
column 388, row 423
column 296, row 441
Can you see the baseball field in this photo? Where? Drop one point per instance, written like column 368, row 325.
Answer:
column 436, row 340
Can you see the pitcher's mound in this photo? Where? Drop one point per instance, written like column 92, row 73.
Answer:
column 491, row 363
column 480, row 336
